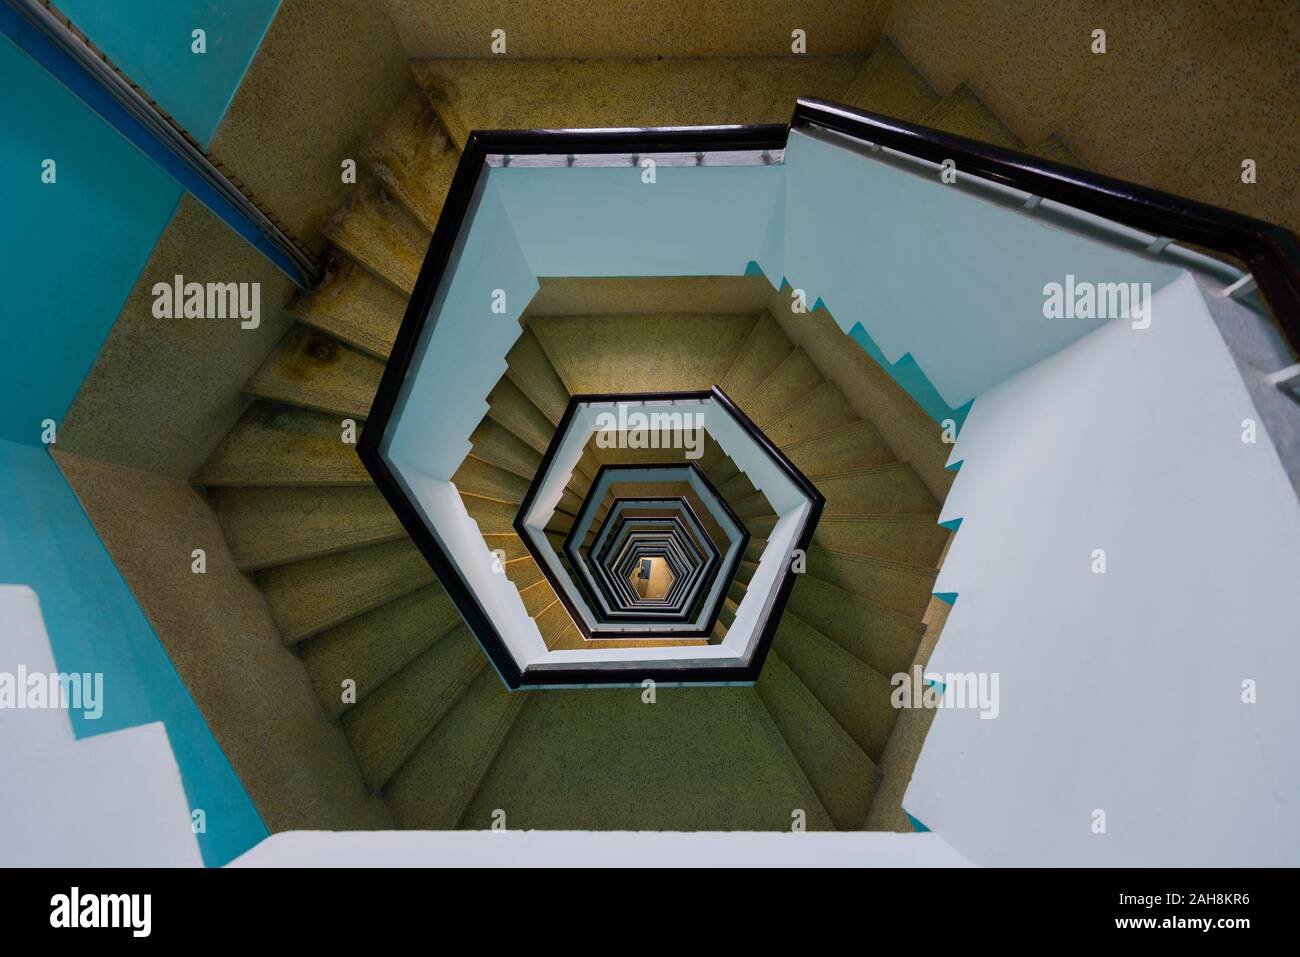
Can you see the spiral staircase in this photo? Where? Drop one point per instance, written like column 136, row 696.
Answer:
column 662, row 555
column 431, row 725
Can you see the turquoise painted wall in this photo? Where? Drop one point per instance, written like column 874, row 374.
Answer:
column 72, row 251
column 95, row 625
column 150, row 41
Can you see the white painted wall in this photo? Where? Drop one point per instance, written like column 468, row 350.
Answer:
column 1121, row 692
column 932, row 269
column 598, row 849
column 113, row 800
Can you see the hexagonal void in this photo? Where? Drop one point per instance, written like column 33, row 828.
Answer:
column 652, row 578
column 596, row 594
column 632, row 528
column 508, row 226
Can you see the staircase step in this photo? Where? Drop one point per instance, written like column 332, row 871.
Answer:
column 608, row 354
column 415, row 159
column 353, row 306
column 569, row 638
column 389, row 725
column 432, row 789
column 1053, row 148
column 896, row 586
column 752, row 506
column 275, row 444
column 272, row 526
column 307, row 597
column 853, row 446
column 537, row 596
column 825, row 410
column 534, row 376
column 378, row 233
column 492, row 518
column 722, row 473
column 510, row 92
column 893, row 488
column 963, row 113
column 554, row 623
column 510, row 545
column 736, row 489
column 888, row 84
column 745, row 571
column 627, row 295
column 885, row 640
column 316, row 371
column 371, row 648
column 514, row 410
column 917, row 539
column 444, row 109
column 844, row 778
column 476, row 477
column 524, row 572
column 697, row 759
column 495, row 444
column 727, row 613
column 854, row 693
column 782, row 389
column 762, row 352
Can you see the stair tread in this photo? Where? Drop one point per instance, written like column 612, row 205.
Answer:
column 916, row 538
column 274, row 444
column 492, row 93
column 314, row 370
column 825, row 409
column 390, row 724
column 852, row 446
column 415, row 159
column 353, row 306
column 532, row 373
column 885, row 640
column 433, row 787
column 855, row 694
column 963, row 113
column 372, row 647
column 378, row 233
column 604, row 354
column 1053, row 147
column 607, row 742
column 309, row 596
column 889, row 84
column 476, row 477
column 516, row 412
column 272, row 526
column 497, row 445
column 764, row 348
column 843, row 776
column 782, row 389
column 892, row 487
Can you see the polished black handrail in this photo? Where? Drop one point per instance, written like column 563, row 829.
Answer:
column 1269, row 251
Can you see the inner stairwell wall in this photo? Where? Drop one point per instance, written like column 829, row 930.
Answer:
column 1157, row 692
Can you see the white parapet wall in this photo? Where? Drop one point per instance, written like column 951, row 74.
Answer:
column 1146, row 713
column 111, row 800
column 598, row 849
